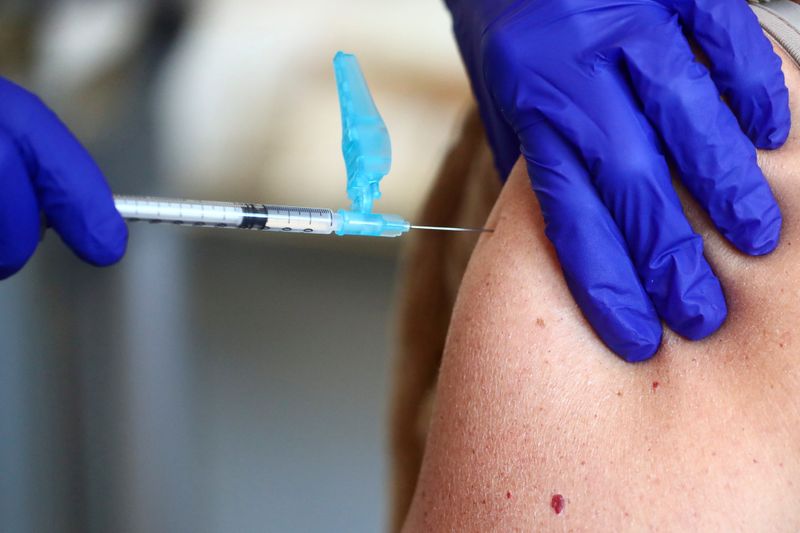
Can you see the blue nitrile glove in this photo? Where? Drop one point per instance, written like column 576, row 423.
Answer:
column 594, row 93
column 43, row 168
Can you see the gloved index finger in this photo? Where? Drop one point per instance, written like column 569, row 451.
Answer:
column 590, row 247
column 69, row 185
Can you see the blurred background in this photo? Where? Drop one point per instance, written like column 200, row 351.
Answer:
column 214, row 381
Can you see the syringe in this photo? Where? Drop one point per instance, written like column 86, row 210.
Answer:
column 263, row 217
column 367, row 151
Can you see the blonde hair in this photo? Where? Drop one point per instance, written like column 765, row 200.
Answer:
column 465, row 189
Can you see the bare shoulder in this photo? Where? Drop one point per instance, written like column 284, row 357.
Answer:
column 537, row 426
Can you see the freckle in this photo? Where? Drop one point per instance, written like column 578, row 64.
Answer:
column 781, row 344
column 754, row 461
column 655, row 385
column 540, row 322
column 557, row 503
column 508, row 495
column 619, row 393
column 584, row 462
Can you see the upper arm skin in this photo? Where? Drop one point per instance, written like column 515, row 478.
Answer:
column 530, row 404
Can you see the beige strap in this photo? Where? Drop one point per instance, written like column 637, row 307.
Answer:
column 781, row 20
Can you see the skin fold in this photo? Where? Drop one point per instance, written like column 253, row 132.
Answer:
column 533, row 414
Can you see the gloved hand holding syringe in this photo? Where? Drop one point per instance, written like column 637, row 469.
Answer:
column 368, row 156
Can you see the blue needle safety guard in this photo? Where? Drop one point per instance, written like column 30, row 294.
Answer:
column 367, row 151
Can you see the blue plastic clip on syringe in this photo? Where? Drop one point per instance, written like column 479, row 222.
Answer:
column 368, row 157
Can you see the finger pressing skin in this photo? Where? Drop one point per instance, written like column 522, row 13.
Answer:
column 590, row 248
column 630, row 173
column 715, row 160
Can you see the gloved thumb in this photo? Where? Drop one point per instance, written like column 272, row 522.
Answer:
column 69, row 186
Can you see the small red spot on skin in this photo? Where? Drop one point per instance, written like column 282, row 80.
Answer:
column 655, row 385
column 508, row 495
column 557, row 503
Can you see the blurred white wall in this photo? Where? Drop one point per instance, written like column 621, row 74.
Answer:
column 247, row 102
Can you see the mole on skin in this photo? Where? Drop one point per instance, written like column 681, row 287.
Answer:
column 557, row 503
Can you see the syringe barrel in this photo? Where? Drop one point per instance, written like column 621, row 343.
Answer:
column 263, row 217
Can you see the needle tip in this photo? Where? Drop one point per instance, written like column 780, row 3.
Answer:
column 444, row 228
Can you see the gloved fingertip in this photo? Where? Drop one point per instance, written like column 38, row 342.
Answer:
column 6, row 271
column 16, row 254
column 699, row 311
column 636, row 339
column 640, row 354
column 759, row 235
column 11, row 265
column 706, row 321
column 112, row 246
column 642, row 350
column 106, row 244
column 775, row 134
column 759, row 96
column 20, row 228
column 685, row 290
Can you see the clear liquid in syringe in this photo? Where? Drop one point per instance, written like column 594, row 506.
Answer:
column 261, row 217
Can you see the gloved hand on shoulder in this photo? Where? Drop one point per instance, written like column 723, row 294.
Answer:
column 598, row 95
